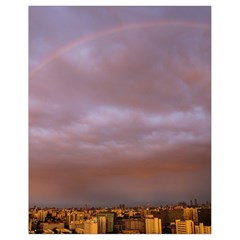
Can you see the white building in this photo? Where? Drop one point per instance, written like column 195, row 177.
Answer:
column 153, row 226
column 184, row 227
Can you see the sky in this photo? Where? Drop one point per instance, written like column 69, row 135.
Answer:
column 119, row 105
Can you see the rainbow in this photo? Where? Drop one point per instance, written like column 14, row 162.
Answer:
column 103, row 33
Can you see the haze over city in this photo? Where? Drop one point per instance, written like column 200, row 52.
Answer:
column 119, row 105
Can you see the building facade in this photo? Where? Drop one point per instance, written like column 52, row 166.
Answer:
column 153, row 225
column 106, row 219
column 184, row 227
column 90, row 227
column 102, row 224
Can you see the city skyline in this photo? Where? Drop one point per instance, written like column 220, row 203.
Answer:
column 175, row 219
column 189, row 203
column 119, row 105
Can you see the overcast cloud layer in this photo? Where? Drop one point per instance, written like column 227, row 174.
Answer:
column 125, row 117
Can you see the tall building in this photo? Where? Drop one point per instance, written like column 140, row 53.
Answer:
column 153, row 225
column 109, row 220
column 69, row 219
column 168, row 215
column 73, row 217
column 90, row 227
column 184, row 227
column 41, row 215
column 135, row 224
column 187, row 213
column 190, row 214
column 195, row 215
column 30, row 225
column 199, row 229
column 102, row 224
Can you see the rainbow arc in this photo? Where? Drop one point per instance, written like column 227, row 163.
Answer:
column 106, row 32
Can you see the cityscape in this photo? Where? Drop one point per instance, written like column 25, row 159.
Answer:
column 120, row 120
column 181, row 218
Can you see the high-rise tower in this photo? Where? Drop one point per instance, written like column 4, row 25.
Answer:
column 153, row 225
column 184, row 227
